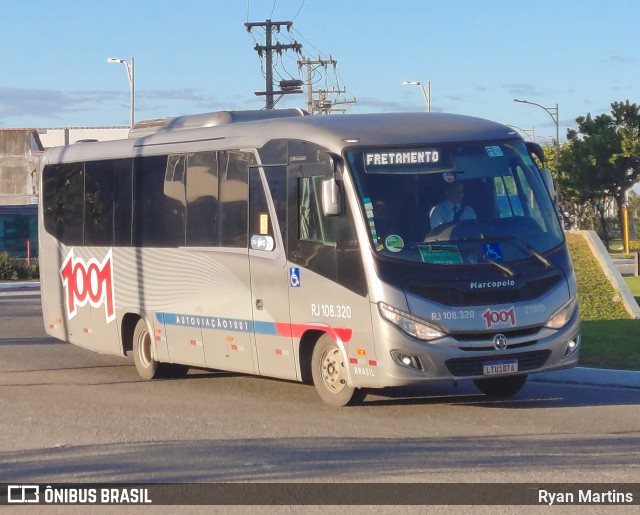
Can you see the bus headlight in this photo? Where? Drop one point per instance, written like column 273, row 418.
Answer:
column 409, row 324
column 561, row 317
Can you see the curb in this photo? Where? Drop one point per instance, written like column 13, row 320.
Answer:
column 19, row 286
column 591, row 376
column 610, row 271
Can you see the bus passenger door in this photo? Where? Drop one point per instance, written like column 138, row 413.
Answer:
column 217, row 200
column 269, row 279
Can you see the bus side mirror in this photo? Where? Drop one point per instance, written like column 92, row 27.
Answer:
column 331, row 198
column 545, row 173
column 535, row 149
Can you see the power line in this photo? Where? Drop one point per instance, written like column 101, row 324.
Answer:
column 299, row 9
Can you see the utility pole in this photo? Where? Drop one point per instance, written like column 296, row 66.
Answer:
column 267, row 50
column 323, row 105
column 309, row 64
column 343, row 102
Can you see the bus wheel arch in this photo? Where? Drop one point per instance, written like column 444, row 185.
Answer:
column 127, row 328
column 305, row 352
column 329, row 370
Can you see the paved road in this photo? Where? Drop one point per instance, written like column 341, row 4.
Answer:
column 625, row 266
column 71, row 415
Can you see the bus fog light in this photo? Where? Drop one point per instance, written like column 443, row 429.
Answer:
column 407, row 360
column 572, row 346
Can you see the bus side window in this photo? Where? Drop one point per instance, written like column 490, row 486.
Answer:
column 311, row 240
column 63, row 198
column 309, row 225
column 234, row 198
column 107, row 210
column 202, row 199
column 274, row 156
column 277, row 182
column 159, row 202
column 313, row 224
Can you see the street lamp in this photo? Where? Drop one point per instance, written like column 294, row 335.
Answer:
column 529, row 133
column 130, row 75
column 553, row 112
column 426, row 92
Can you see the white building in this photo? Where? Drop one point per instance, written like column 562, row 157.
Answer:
column 59, row 136
column 21, row 150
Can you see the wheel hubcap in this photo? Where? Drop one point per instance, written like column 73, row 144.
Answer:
column 333, row 371
column 144, row 349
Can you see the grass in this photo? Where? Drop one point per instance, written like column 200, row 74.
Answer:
column 634, row 285
column 609, row 334
column 610, row 344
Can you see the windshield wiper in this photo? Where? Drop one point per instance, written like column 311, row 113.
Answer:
column 502, row 267
column 436, row 244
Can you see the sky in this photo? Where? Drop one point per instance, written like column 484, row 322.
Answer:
column 196, row 56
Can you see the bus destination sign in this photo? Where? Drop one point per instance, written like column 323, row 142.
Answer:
column 401, row 160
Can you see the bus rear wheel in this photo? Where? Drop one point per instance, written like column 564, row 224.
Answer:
column 329, row 372
column 146, row 364
column 501, row 387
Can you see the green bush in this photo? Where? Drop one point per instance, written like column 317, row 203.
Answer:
column 12, row 269
column 598, row 298
column 609, row 334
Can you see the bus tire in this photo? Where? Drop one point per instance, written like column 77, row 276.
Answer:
column 145, row 362
column 501, row 387
column 329, row 372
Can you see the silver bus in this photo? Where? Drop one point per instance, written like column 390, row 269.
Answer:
column 351, row 252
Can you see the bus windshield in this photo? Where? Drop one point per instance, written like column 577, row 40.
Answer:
column 455, row 203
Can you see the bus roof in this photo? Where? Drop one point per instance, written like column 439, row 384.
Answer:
column 249, row 129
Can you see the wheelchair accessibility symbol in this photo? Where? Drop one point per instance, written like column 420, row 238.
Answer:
column 294, row 277
column 492, row 251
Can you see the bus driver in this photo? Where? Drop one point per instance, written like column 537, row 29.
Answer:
column 451, row 209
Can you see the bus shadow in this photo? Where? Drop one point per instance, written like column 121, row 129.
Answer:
column 196, row 374
column 534, row 395
column 293, row 458
column 30, row 341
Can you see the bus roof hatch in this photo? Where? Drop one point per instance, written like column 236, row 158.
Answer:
column 146, row 127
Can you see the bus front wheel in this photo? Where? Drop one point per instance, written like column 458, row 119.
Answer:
column 329, row 372
column 501, row 387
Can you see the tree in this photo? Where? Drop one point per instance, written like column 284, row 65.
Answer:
column 572, row 203
column 602, row 159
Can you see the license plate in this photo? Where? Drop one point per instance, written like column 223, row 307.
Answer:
column 496, row 368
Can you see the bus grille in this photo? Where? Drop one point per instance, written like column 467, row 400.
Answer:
column 487, row 336
column 449, row 296
column 462, row 367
